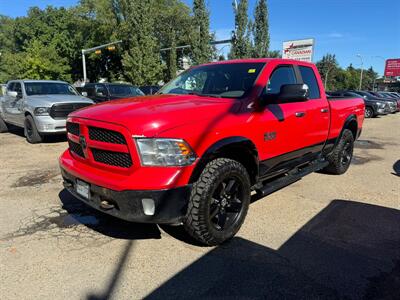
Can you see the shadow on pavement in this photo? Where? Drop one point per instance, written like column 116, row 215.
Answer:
column 350, row 250
column 396, row 168
column 116, row 276
column 80, row 213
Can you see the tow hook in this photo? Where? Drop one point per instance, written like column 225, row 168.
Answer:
column 106, row 205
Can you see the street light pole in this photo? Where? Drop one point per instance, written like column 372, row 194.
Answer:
column 362, row 69
column 84, row 66
column 84, row 51
column 384, row 60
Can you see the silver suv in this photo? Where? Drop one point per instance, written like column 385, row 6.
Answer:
column 40, row 107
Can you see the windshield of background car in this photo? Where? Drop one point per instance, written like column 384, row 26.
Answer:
column 49, row 88
column 232, row 80
column 124, row 90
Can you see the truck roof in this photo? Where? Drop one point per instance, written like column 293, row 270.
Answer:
column 260, row 60
column 42, row 81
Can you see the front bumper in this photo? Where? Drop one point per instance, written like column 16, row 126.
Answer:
column 382, row 111
column 48, row 125
column 169, row 205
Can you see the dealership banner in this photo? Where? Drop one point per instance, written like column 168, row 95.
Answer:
column 299, row 49
column 392, row 67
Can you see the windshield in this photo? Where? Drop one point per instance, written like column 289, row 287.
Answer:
column 124, row 90
column 49, row 88
column 220, row 80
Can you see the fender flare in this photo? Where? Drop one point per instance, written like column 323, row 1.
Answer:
column 350, row 119
column 217, row 150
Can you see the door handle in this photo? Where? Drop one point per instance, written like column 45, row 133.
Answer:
column 300, row 114
column 324, row 110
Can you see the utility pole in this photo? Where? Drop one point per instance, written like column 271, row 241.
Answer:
column 384, row 77
column 85, row 51
column 362, row 69
column 326, row 76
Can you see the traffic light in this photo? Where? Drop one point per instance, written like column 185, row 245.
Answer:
column 98, row 52
column 111, row 48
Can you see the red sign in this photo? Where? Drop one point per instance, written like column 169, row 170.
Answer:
column 392, row 67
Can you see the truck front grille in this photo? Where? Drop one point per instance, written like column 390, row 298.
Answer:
column 62, row 110
column 117, row 159
column 84, row 139
column 73, row 128
column 105, row 135
column 76, row 148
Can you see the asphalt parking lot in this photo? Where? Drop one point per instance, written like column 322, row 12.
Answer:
column 324, row 237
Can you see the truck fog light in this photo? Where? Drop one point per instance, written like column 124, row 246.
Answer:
column 48, row 126
column 148, row 206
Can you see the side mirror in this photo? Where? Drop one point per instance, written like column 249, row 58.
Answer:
column 293, row 93
column 12, row 94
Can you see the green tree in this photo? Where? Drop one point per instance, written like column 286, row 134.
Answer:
column 141, row 60
column 369, row 80
column 172, row 59
column 174, row 27
column 42, row 62
column 261, row 30
column 241, row 46
column 327, row 68
column 201, row 49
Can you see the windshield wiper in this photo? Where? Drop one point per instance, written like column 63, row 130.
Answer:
column 204, row 95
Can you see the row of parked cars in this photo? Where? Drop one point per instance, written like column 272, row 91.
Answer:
column 42, row 106
column 376, row 103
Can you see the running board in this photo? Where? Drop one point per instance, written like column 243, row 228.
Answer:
column 291, row 177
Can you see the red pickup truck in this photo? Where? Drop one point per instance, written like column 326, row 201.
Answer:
column 193, row 153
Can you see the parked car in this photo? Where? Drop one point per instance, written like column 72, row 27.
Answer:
column 389, row 95
column 366, row 95
column 101, row 92
column 373, row 106
column 40, row 107
column 194, row 152
column 150, row 89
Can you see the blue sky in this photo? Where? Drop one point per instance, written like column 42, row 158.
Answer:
column 342, row 27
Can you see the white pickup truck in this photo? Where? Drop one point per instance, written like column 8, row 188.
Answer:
column 40, row 107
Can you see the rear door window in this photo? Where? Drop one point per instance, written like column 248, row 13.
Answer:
column 309, row 78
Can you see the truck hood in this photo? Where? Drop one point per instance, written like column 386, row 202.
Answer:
column 49, row 100
column 151, row 115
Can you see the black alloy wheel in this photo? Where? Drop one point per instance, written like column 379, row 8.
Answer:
column 347, row 153
column 226, row 204
column 219, row 202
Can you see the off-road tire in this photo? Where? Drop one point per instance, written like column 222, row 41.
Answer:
column 340, row 158
column 3, row 126
column 369, row 112
column 31, row 133
column 197, row 222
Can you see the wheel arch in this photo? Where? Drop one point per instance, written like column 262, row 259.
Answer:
column 351, row 124
column 237, row 148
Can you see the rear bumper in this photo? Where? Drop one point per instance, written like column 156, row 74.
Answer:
column 168, row 206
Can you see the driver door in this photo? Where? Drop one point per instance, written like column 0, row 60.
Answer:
column 10, row 103
column 14, row 105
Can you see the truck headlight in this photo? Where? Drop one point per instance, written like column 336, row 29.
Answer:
column 164, row 152
column 41, row 111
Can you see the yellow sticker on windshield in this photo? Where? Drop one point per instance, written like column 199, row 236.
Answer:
column 252, row 71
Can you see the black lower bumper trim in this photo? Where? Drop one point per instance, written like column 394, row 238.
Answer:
column 170, row 205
